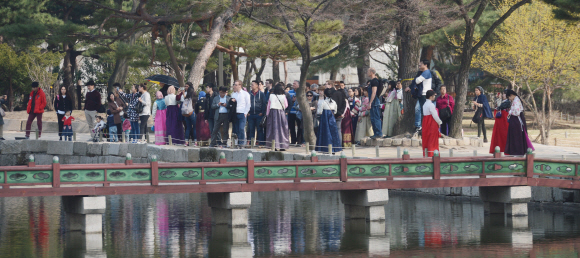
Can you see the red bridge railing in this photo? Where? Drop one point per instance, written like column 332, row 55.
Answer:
column 313, row 174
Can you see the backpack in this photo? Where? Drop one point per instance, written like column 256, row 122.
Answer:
column 437, row 82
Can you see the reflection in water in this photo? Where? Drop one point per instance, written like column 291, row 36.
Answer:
column 288, row 224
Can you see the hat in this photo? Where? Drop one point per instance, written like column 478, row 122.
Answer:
column 34, row 85
column 91, row 82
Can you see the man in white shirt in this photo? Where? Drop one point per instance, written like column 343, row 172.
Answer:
column 243, row 104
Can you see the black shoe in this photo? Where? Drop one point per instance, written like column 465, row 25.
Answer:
column 485, row 140
column 2, row 139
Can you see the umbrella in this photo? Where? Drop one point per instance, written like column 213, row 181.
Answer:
column 159, row 78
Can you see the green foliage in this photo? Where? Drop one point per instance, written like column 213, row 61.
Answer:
column 566, row 9
column 12, row 70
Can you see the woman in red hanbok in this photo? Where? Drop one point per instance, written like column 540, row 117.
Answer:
column 431, row 124
column 500, row 127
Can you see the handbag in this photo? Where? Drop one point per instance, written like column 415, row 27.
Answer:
column 139, row 107
column 264, row 121
column 498, row 114
column 2, row 113
column 101, row 109
column 478, row 116
column 445, row 114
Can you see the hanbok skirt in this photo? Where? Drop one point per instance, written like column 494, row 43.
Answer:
column 328, row 133
column 346, row 127
column 202, row 127
column 174, row 125
column 430, row 135
column 390, row 117
column 160, row 127
column 517, row 138
column 500, row 132
column 364, row 128
column 277, row 129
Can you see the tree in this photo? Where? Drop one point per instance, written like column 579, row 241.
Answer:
column 41, row 65
column 535, row 52
column 416, row 18
column 566, row 9
column 12, row 73
column 308, row 24
column 469, row 46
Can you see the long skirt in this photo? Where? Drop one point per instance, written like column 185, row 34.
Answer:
column 430, row 135
column 160, row 127
column 202, row 127
column 364, row 128
column 346, row 128
column 517, row 138
column 277, row 129
column 173, row 124
column 390, row 117
column 500, row 132
column 328, row 133
column 354, row 125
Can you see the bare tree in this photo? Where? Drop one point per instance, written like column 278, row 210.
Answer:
column 308, row 22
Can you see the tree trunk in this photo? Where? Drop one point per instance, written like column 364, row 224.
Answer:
column 363, row 66
column 307, row 121
column 333, row 74
column 261, row 70
column 285, row 73
column 200, row 63
column 68, row 76
column 234, row 65
column 248, row 73
column 427, row 53
column 275, row 71
column 172, row 57
column 409, row 48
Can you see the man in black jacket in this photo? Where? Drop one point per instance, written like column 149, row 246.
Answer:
column 340, row 98
column 258, row 107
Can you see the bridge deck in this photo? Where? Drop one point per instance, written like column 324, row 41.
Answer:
column 250, row 176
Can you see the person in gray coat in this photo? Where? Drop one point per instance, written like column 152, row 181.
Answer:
column 221, row 106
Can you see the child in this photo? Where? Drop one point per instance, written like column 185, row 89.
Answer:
column 112, row 127
column 67, row 131
column 98, row 127
column 126, row 126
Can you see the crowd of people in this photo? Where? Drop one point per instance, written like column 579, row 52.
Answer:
column 270, row 113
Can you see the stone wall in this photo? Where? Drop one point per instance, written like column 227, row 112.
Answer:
column 14, row 153
column 412, row 142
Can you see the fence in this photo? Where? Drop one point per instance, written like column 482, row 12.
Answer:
column 342, row 174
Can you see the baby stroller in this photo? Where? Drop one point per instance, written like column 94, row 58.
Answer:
column 104, row 132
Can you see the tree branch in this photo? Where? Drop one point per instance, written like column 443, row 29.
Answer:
column 497, row 23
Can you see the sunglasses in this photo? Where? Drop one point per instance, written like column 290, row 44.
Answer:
column 308, row 95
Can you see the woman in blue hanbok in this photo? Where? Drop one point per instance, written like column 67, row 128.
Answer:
column 327, row 129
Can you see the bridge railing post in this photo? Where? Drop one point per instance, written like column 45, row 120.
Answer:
column 250, row 163
column 128, row 159
column 55, row 172
column 436, row 165
column 31, row 161
column 406, row 155
column 154, row 170
column 530, row 163
column 497, row 152
column 343, row 167
column 222, row 159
